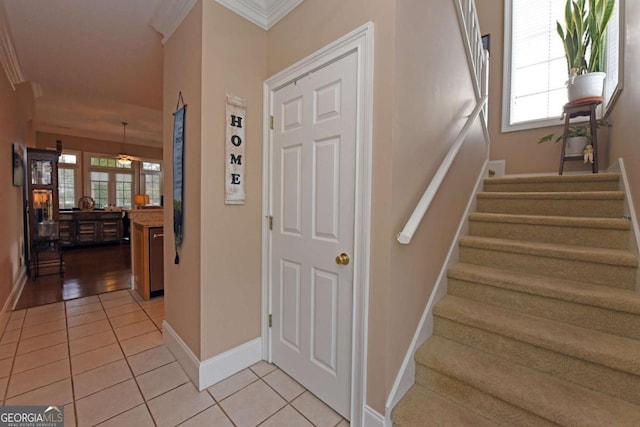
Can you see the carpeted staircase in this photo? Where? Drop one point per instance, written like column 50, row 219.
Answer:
column 541, row 323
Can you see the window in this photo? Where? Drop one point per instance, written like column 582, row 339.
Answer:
column 68, row 159
column 66, row 188
column 110, row 162
column 535, row 68
column 111, row 181
column 124, row 190
column 152, row 181
column 114, row 182
column 67, row 180
column 100, row 188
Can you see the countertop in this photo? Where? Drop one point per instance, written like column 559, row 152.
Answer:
column 149, row 223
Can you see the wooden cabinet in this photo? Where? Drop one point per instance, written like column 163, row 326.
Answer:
column 67, row 229
column 90, row 228
column 45, row 254
column 111, row 228
column 147, row 259
column 86, row 232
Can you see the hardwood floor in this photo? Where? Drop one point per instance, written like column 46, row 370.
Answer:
column 88, row 271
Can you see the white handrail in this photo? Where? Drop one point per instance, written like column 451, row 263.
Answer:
column 478, row 61
column 405, row 236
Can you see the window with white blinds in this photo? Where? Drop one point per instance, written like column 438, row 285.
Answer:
column 613, row 81
column 535, row 68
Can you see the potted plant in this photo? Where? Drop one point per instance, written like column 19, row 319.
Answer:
column 583, row 36
column 578, row 137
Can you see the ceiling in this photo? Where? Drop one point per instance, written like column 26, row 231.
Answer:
column 96, row 63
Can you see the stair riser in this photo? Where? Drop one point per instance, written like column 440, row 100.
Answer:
column 583, row 315
column 551, row 186
column 591, row 375
column 501, row 412
column 605, row 208
column 589, row 272
column 594, row 237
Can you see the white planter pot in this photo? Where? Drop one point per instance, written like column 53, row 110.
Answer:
column 586, row 85
column 575, row 145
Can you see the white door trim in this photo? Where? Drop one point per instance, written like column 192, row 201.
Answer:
column 361, row 42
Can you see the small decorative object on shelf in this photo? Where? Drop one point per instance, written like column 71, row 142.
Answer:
column 86, row 203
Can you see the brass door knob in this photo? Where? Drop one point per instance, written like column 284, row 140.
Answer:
column 342, row 259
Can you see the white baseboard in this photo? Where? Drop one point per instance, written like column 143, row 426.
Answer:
column 16, row 292
column 373, row 418
column 183, row 354
column 629, row 210
column 224, row 365
column 406, row 376
column 12, row 299
column 209, row 372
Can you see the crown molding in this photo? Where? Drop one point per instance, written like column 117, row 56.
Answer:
column 263, row 13
column 169, row 16
column 8, row 56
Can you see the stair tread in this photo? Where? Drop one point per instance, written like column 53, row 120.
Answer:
column 568, row 290
column 604, row 223
column 559, row 401
column 609, row 350
column 559, row 195
column 580, row 253
column 423, row 407
column 554, row 178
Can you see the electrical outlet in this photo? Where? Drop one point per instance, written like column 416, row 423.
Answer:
column 20, row 261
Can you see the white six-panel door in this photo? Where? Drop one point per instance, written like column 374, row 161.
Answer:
column 313, row 202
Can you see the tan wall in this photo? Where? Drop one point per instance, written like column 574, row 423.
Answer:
column 520, row 149
column 89, row 145
column 431, row 106
column 234, row 61
column 16, row 110
column 626, row 125
column 183, row 72
column 309, row 27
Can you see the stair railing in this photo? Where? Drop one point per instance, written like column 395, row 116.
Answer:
column 478, row 61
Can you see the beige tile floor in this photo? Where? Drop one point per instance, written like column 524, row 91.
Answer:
column 102, row 358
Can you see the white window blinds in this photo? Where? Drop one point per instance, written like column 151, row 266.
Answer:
column 614, row 58
column 538, row 65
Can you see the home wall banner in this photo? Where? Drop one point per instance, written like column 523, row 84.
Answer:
column 234, row 150
column 178, row 165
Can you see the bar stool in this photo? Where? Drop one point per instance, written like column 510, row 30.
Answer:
column 577, row 108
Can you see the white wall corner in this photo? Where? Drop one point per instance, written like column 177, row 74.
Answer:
column 373, row 418
column 224, row 365
column 406, row 375
column 263, row 13
column 169, row 15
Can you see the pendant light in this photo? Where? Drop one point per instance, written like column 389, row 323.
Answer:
column 122, row 156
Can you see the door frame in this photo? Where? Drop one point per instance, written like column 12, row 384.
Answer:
column 359, row 41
